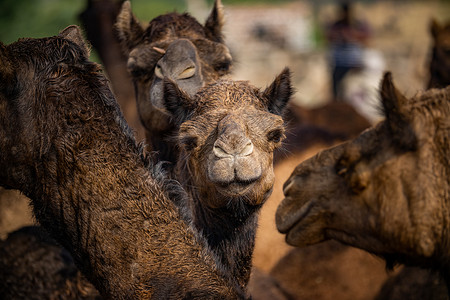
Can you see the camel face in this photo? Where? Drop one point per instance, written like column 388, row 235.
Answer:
column 228, row 133
column 440, row 60
column 384, row 191
column 175, row 46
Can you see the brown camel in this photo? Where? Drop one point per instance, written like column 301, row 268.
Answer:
column 440, row 55
column 386, row 191
column 66, row 146
column 227, row 136
column 178, row 47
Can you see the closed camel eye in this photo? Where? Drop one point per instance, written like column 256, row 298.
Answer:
column 187, row 73
column 158, row 72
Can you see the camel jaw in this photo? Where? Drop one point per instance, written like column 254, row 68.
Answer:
column 303, row 226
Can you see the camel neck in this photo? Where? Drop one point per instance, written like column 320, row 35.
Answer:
column 230, row 233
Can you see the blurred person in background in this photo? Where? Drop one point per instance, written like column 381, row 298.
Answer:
column 347, row 38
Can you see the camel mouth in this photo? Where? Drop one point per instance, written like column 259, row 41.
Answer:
column 289, row 217
column 236, row 187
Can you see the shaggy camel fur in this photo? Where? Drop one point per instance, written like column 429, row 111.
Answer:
column 174, row 46
column 66, row 146
column 228, row 133
column 386, row 191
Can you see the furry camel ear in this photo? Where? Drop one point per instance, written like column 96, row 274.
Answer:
column 7, row 74
column 178, row 103
column 129, row 30
column 396, row 116
column 279, row 92
column 214, row 23
column 435, row 28
column 73, row 33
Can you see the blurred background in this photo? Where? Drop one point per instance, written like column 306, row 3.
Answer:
column 264, row 37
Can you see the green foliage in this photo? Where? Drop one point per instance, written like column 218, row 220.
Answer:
column 145, row 10
column 38, row 18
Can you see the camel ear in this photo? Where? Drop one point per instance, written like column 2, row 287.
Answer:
column 178, row 103
column 7, row 75
column 396, row 116
column 435, row 28
column 129, row 30
column 279, row 92
column 73, row 33
column 214, row 23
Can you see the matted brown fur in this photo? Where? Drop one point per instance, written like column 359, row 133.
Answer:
column 387, row 191
column 66, row 146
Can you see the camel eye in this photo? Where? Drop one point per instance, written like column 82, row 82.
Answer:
column 189, row 142
column 342, row 166
column 158, row 72
column 223, row 66
column 275, row 135
column 187, row 73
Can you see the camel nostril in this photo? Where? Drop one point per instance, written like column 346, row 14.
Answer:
column 247, row 150
column 219, row 152
column 159, row 72
column 187, row 73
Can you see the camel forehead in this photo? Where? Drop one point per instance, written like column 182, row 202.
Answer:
column 230, row 94
column 172, row 26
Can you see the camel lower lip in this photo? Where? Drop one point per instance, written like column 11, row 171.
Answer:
column 294, row 218
column 236, row 187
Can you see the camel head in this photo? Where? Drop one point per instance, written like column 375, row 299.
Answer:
column 175, row 46
column 386, row 191
column 227, row 136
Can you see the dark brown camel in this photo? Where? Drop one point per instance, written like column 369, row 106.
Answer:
column 174, row 46
column 66, row 146
column 440, row 55
column 386, row 191
column 34, row 266
column 227, row 136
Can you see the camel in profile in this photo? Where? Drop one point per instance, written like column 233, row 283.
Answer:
column 386, row 191
column 176, row 46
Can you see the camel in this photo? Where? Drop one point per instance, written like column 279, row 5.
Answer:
column 227, row 136
column 178, row 47
column 385, row 191
column 66, row 146
column 440, row 55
